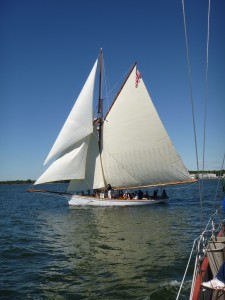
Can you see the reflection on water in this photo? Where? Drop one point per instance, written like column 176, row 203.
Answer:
column 50, row 251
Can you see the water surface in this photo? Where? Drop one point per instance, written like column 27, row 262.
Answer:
column 50, row 251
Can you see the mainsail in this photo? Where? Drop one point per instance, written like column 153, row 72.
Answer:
column 135, row 149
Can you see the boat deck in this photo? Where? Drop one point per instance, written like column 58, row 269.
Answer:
column 209, row 268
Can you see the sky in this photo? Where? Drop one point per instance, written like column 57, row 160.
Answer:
column 48, row 48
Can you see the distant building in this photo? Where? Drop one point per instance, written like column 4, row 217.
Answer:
column 212, row 176
column 193, row 176
column 207, row 176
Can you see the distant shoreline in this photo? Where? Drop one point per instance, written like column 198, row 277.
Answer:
column 29, row 181
column 16, row 182
column 219, row 174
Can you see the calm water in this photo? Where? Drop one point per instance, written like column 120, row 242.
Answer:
column 50, row 251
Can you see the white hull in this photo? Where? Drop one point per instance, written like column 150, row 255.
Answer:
column 90, row 201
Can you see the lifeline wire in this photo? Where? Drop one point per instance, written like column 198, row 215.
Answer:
column 182, row 282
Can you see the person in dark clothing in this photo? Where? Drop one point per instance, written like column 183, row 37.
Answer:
column 109, row 191
column 140, row 194
column 155, row 193
column 164, row 195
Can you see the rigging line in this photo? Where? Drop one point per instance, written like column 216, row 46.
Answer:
column 209, row 221
column 206, row 85
column 105, row 79
column 182, row 282
column 218, row 184
column 192, row 105
column 205, row 98
column 212, row 215
column 112, row 92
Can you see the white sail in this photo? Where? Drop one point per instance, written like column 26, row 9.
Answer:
column 79, row 123
column 137, row 150
column 93, row 174
column 71, row 165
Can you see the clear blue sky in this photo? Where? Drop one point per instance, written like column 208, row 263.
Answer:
column 49, row 46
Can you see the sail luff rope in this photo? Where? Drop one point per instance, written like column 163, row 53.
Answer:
column 192, row 105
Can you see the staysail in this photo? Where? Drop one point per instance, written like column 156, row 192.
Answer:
column 69, row 166
column 137, row 150
column 93, row 178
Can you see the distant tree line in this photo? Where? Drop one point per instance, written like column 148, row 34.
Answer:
column 28, row 181
column 218, row 173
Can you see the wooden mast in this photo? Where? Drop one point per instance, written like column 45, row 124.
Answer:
column 100, row 113
column 100, row 102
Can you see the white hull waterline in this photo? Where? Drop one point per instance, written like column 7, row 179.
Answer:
column 79, row 200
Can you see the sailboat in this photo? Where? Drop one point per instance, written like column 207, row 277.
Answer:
column 127, row 149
